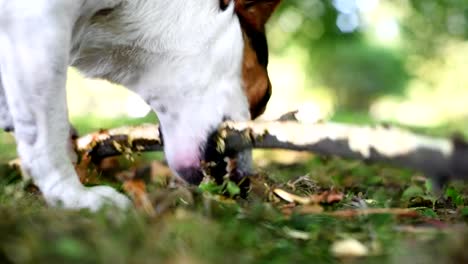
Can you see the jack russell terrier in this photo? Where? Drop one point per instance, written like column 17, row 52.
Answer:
column 195, row 62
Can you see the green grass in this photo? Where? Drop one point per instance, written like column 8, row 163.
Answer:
column 211, row 230
column 7, row 147
column 206, row 228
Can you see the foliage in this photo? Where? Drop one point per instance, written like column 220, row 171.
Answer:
column 433, row 22
column 352, row 70
column 380, row 55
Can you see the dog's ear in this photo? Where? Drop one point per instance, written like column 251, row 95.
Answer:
column 253, row 15
column 256, row 82
column 256, row 12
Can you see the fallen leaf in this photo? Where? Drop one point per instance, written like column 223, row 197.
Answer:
column 349, row 248
column 15, row 164
column 160, row 173
column 292, row 198
column 327, row 197
column 137, row 191
column 85, row 170
column 296, row 234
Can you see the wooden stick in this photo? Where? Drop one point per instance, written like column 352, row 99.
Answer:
column 438, row 158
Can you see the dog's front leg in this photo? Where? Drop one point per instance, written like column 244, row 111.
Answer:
column 6, row 123
column 34, row 63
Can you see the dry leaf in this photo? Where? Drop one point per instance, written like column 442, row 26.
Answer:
column 327, row 197
column 296, row 234
column 160, row 173
column 292, row 198
column 85, row 171
column 349, row 248
column 137, row 191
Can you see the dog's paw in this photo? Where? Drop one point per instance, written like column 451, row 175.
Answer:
column 92, row 198
column 99, row 196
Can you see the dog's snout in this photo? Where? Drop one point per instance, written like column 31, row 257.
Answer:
column 191, row 166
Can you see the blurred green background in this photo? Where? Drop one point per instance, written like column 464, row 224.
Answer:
column 400, row 61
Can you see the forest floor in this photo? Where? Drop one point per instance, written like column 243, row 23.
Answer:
column 301, row 209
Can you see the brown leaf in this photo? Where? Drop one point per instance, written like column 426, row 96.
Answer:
column 160, row 173
column 86, row 171
column 349, row 248
column 327, row 197
column 15, row 164
column 137, row 191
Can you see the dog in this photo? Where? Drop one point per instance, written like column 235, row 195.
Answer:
column 195, row 62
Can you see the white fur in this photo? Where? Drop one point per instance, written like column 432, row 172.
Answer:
column 182, row 56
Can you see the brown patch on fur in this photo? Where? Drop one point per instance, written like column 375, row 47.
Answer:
column 253, row 15
column 256, row 81
column 256, row 12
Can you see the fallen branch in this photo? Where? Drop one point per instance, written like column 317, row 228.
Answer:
column 440, row 159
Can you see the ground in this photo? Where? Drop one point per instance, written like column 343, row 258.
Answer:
column 320, row 224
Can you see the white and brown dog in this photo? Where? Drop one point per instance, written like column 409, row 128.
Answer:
column 196, row 63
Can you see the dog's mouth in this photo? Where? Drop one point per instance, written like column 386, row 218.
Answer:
column 218, row 166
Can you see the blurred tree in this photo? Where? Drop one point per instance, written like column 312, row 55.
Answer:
column 428, row 24
column 359, row 73
column 342, row 56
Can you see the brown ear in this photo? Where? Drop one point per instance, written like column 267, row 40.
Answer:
column 256, row 12
column 256, row 82
column 253, row 15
